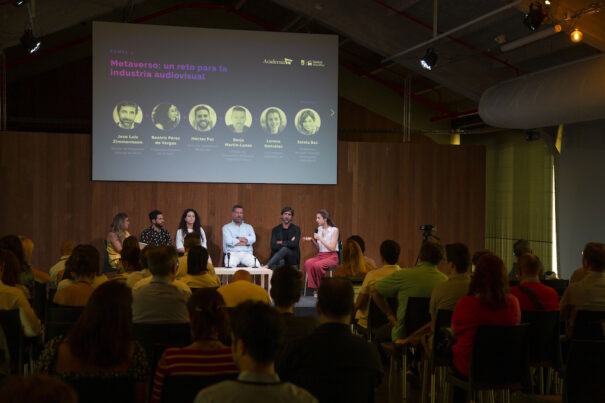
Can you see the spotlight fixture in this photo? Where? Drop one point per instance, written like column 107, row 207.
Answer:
column 576, row 35
column 429, row 60
column 534, row 17
column 19, row 3
column 30, row 42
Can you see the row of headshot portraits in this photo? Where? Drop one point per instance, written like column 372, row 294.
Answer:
column 165, row 116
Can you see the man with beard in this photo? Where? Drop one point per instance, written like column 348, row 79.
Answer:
column 202, row 119
column 127, row 112
column 156, row 234
column 285, row 239
column 238, row 120
column 238, row 238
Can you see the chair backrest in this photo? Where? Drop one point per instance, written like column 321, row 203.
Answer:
column 13, row 331
column 587, row 325
column 377, row 318
column 59, row 313
column 39, row 299
column 544, row 340
column 353, row 386
column 106, row 266
column 560, row 285
column 585, row 371
column 441, row 354
column 186, row 388
column 155, row 338
column 500, row 357
column 104, row 389
column 416, row 314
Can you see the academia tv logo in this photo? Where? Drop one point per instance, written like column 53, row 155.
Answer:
column 284, row 61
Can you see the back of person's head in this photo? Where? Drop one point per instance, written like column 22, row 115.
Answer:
column 286, row 282
column 360, row 242
column 161, row 259
column 521, row 247
column 352, row 257
column 84, row 261
column 594, row 253
column 335, row 297
column 209, row 318
column 529, row 265
column 261, row 329
column 10, row 264
column 28, row 248
column 389, row 251
column 477, row 255
column 13, row 243
column 102, row 336
column 131, row 253
column 242, row 274
column 197, row 260
column 192, row 239
column 459, row 255
column 431, row 252
column 67, row 247
column 490, row 282
column 37, row 388
column 144, row 252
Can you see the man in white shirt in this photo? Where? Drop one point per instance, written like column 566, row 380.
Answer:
column 238, row 238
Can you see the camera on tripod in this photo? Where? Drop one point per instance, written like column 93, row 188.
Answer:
column 427, row 230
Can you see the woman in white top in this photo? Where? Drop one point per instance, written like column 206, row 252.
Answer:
column 190, row 222
column 325, row 240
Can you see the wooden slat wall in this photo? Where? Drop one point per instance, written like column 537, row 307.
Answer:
column 385, row 190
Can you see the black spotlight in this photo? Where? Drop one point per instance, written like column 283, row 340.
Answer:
column 429, row 60
column 30, row 42
column 534, row 17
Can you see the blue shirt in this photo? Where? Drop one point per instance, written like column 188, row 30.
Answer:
column 232, row 231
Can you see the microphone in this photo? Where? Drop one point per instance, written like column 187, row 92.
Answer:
column 228, row 259
column 255, row 261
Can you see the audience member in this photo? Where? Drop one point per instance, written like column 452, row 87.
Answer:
column 389, row 253
column 371, row 263
column 26, row 275
column 325, row 240
column 12, row 269
column 207, row 355
column 101, row 343
column 579, row 274
column 321, row 361
column 37, row 389
column 419, row 281
column 352, row 264
column 520, row 248
column 161, row 301
column 118, row 231
column 257, row 333
column 191, row 239
column 531, row 293
column 13, row 298
column 198, row 275
column 130, row 258
column 84, row 266
column 487, row 303
column 286, row 283
column 59, row 268
column 476, row 256
column 136, row 276
column 28, row 251
column 589, row 292
column 241, row 289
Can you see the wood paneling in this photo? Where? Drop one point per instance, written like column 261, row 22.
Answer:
column 385, row 190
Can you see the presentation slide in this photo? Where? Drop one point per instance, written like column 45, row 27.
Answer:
column 176, row 104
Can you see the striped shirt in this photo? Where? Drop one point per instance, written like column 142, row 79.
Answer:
column 189, row 361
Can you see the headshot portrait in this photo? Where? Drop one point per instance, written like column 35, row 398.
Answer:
column 127, row 115
column 307, row 122
column 202, row 118
column 165, row 116
column 238, row 119
column 273, row 120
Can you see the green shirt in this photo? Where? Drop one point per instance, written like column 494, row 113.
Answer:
column 418, row 281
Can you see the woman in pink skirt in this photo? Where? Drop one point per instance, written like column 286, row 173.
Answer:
column 325, row 240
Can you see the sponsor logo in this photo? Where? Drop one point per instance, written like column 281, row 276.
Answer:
column 285, row 61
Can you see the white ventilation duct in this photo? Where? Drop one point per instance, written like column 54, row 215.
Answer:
column 573, row 92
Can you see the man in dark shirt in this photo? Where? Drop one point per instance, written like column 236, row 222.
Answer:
column 156, row 234
column 332, row 363
column 285, row 240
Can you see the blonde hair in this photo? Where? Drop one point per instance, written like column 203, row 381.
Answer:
column 352, row 259
column 28, row 248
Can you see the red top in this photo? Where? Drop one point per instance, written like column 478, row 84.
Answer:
column 191, row 361
column 547, row 296
column 468, row 315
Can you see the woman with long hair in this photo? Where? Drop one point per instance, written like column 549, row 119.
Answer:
column 487, row 303
column 190, row 222
column 353, row 264
column 10, row 269
column 166, row 116
column 83, row 269
column 198, row 275
column 101, row 343
column 26, row 275
column 325, row 240
column 207, row 355
column 307, row 122
column 118, row 231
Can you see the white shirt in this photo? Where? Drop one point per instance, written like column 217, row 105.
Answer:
column 180, row 238
column 327, row 235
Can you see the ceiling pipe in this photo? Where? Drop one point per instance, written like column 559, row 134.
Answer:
column 570, row 93
column 526, row 40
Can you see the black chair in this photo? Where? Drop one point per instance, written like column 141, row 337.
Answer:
column 499, row 361
column 585, row 372
column 588, row 325
column 60, row 320
column 40, row 299
column 185, row 388
column 347, row 385
column 544, row 344
column 155, row 338
column 13, row 331
column 376, row 318
column 106, row 266
column 441, row 354
column 104, row 389
column 560, row 285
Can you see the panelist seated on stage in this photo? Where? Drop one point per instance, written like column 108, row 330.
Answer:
column 285, row 238
column 242, row 289
column 238, row 238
